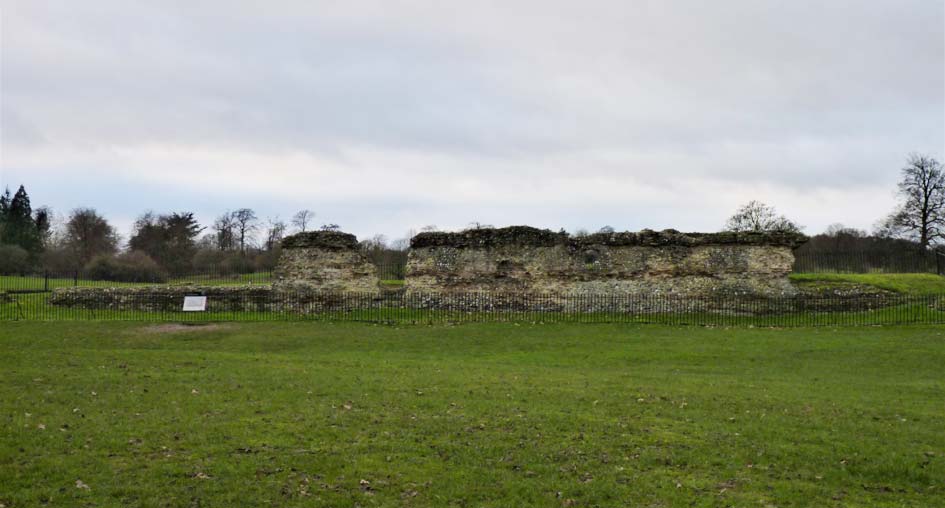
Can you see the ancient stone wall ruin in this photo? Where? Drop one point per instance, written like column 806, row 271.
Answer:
column 324, row 261
column 509, row 270
column 523, row 259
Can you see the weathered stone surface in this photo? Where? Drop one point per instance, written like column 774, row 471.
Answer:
column 324, row 260
column 331, row 240
column 249, row 298
column 534, row 237
column 523, row 259
column 515, row 236
column 265, row 299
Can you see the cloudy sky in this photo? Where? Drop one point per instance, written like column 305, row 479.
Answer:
column 384, row 116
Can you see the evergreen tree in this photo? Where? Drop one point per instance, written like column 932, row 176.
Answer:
column 168, row 239
column 18, row 225
column 42, row 218
column 5, row 202
column 4, row 211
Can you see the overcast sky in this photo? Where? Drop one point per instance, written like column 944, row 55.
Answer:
column 383, row 116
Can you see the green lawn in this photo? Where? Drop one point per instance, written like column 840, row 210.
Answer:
column 499, row 415
column 913, row 283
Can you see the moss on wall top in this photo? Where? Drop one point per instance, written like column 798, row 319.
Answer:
column 491, row 237
column 669, row 237
column 534, row 237
column 332, row 240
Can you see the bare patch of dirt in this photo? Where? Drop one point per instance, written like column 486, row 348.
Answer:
column 185, row 327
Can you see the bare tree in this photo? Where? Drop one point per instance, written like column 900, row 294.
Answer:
column 837, row 229
column 275, row 232
column 921, row 214
column 759, row 217
column 301, row 219
column 88, row 234
column 245, row 224
column 478, row 225
column 224, row 232
column 374, row 246
column 378, row 240
column 389, row 260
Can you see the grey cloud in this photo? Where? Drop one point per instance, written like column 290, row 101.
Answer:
column 791, row 94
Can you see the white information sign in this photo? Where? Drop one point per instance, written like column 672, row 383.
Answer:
column 195, row 303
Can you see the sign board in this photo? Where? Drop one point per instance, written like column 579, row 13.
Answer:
column 195, row 303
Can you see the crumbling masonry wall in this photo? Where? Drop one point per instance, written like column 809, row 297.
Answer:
column 324, row 261
column 523, row 259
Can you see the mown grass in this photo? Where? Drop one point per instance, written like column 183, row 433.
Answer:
column 910, row 283
column 303, row 414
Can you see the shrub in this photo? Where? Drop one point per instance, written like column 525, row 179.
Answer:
column 267, row 260
column 208, row 260
column 217, row 262
column 238, row 263
column 131, row 267
column 60, row 260
column 13, row 259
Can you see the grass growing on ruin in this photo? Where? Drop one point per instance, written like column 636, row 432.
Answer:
column 300, row 414
column 911, row 283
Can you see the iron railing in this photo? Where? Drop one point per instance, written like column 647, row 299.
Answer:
column 413, row 307
column 931, row 261
column 45, row 281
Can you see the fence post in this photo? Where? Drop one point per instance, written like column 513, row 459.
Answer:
column 75, row 278
column 46, row 281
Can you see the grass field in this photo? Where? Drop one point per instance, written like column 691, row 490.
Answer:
column 320, row 414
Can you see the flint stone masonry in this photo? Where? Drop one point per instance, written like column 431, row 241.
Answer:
column 168, row 301
column 254, row 298
column 324, row 261
column 523, row 259
column 161, row 298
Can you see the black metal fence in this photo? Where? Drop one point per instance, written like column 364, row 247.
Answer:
column 391, row 272
column 425, row 308
column 45, row 281
column 904, row 261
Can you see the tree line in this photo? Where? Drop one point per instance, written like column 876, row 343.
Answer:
column 160, row 246
column 916, row 224
column 163, row 245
